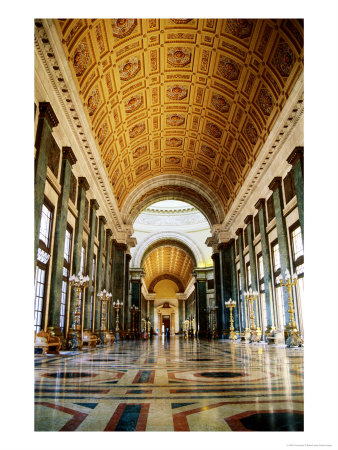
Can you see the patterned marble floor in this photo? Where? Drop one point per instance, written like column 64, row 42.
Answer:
column 174, row 385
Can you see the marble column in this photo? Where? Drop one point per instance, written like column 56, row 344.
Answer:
column 226, row 291
column 135, row 290
column 107, row 280
column 83, row 186
column 201, row 303
column 126, row 292
column 296, row 159
column 234, row 287
column 111, row 320
column 260, row 206
column 99, row 275
column 243, row 306
column 43, row 141
column 180, row 315
column 253, row 266
column 94, row 206
column 68, row 160
column 152, row 312
column 218, row 289
column 276, row 187
column 119, row 276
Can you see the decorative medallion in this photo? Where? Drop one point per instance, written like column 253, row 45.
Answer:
column 179, row 56
column 129, row 69
column 141, row 169
column 177, row 92
column 283, row 59
column 228, row 69
column 174, row 142
column 203, row 168
column 101, row 135
column 133, row 103
column 240, row 156
column 81, row 58
column 232, row 175
column 137, row 130
column 220, row 103
column 93, row 101
column 172, row 160
column 175, row 120
column 123, row 27
column 139, row 151
column 208, row 151
column 181, row 21
column 251, row 133
column 238, row 27
column 265, row 101
column 214, row 130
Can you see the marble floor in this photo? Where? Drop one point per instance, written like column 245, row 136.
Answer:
column 171, row 385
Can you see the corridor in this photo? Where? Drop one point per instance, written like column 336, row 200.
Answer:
column 171, row 385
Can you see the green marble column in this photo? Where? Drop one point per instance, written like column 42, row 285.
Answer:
column 276, row 187
column 201, row 303
column 94, row 206
column 111, row 320
column 68, row 160
column 253, row 266
column 180, row 315
column 218, row 289
column 243, row 305
column 99, row 274
column 260, row 206
column 296, row 159
column 135, row 290
column 234, row 287
column 226, row 289
column 152, row 306
column 119, row 276
column 107, row 280
column 46, row 122
column 126, row 293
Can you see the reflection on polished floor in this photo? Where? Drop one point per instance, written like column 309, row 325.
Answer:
column 171, row 385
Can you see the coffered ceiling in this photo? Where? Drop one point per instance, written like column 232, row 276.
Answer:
column 188, row 97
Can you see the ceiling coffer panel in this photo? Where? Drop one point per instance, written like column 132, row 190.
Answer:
column 191, row 96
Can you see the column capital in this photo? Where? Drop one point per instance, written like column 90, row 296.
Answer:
column 136, row 273
column 109, row 232
column 298, row 153
column 275, row 183
column 121, row 246
column 46, row 112
column 248, row 219
column 260, row 204
column 83, row 183
column 102, row 219
column 68, row 154
column 239, row 231
column 94, row 204
column 225, row 245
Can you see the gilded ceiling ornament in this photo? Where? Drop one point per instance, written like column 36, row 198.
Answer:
column 265, row 101
column 227, row 68
column 175, row 120
column 232, row 176
column 214, row 130
column 174, row 142
column 283, row 59
column 238, row 27
column 93, row 101
column 115, row 176
column 177, row 92
column 142, row 168
column 81, row 58
column 133, row 103
column 225, row 190
column 139, row 151
column 208, row 151
column 220, row 103
column 123, row 27
column 181, row 21
column 137, row 130
column 172, row 160
column 129, row 68
column 102, row 133
column 203, row 168
column 251, row 133
column 240, row 156
column 179, row 56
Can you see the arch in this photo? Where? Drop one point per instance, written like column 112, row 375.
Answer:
column 189, row 246
column 166, row 276
column 173, row 187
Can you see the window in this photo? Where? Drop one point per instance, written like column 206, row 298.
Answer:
column 246, row 241
column 260, row 267
column 83, row 259
column 256, row 225
column 261, row 284
column 92, row 293
column 298, row 267
column 42, row 264
column 65, row 276
column 297, row 243
column 278, row 288
column 289, row 186
column 271, row 208
column 275, row 257
column 248, row 275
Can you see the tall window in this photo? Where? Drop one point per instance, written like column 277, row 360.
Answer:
column 278, row 288
column 261, row 285
column 42, row 264
column 248, row 275
column 65, row 276
column 82, row 270
column 298, row 263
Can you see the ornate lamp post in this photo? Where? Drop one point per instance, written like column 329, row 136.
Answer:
column 79, row 282
column 256, row 333
column 231, row 304
column 191, row 327
column 117, row 306
column 294, row 340
column 105, row 297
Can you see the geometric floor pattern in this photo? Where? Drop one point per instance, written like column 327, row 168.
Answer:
column 171, row 385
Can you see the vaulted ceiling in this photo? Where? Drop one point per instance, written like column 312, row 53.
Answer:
column 185, row 97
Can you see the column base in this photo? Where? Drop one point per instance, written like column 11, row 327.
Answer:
column 294, row 340
column 256, row 335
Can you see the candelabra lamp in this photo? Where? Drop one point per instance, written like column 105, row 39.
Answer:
column 294, row 339
column 255, row 332
column 79, row 283
column 146, row 322
column 117, row 306
column 105, row 336
column 134, row 325
column 231, row 304
column 191, row 326
column 185, row 328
